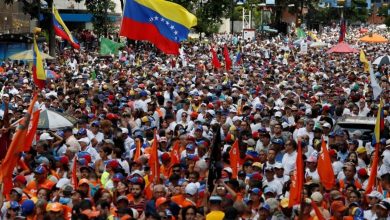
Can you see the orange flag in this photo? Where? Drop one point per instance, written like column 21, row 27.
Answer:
column 149, row 191
column 234, row 159
column 374, row 171
column 32, row 132
column 377, row 132
column 297, row 180
column 317, row 211
column 137, row 149
column 75, row 181
column 175, row 155
column 153, row 162
column 325, row 169
column 16, row 147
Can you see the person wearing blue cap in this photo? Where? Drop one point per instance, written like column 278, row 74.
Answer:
column 13, row 210
column 94, row 134
column 278, row 146
column 264, row 212
column 28, row 209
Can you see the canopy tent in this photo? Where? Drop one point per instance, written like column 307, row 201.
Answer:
column 29, row 55
column 374, row 38
column 342, row 48
column 318, row 44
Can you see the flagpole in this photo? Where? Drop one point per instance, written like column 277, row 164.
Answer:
column 300, row 217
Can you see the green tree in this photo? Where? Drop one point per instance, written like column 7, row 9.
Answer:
column 357, row 11
column 102, row 22
column 208, row 12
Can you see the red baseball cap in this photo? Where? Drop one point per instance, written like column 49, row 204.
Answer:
column 21, row 179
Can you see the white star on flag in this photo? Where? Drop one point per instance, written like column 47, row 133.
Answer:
column 175, row 32
column 172, row 27
column 156, row 18
column 167, row 23
column 162, row 19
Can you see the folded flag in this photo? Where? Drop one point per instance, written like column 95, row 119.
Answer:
column 228, row 61
column 39, row 74
column 234, row 155
column 343, row 30
column 163, row 23
column 238, row 57
column 62, row 31
column 215, row 59
column 364, row 60
column 325, row 168
column 379, row 127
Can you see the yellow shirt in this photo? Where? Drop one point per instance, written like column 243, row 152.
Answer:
column 215, row 215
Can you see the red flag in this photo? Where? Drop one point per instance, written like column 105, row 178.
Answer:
column 137, row 149
column 228, row 61
column 74, row 173
column 297, row 180
column 32, row 132
column 234, row 159
column 153, row 162
column 317, row 211
column 374, row 171
column 175, row 155
column 39, row 83
column 343, row 30
column 16, row 147
column 215, row 60
column 325, row 169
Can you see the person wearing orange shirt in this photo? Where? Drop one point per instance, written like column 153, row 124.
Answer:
column 40, row 180
column 166, row 167
column 191, row 193
column 339, row 210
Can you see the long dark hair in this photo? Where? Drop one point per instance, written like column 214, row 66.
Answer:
column 184, row 211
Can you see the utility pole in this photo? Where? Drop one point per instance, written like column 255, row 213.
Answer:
column 52, row 39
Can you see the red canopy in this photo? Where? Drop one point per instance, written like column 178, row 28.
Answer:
column 342, row 48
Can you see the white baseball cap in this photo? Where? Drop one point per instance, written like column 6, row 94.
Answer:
column 45, row 136
column 85, row 140
column 191, row 189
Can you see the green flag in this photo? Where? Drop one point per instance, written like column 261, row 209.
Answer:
column 300, row 33
column 93, row 75
column 108, row 47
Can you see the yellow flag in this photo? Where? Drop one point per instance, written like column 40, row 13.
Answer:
column 364, row 60
column 40, row 72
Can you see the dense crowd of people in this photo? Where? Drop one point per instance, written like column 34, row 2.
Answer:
column 272, row 98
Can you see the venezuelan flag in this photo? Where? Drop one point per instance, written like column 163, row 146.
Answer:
column 238, row 60
column 39, row 74
column 61, row 30
column 163, row 23
column 379, row 124
column 363, row 59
